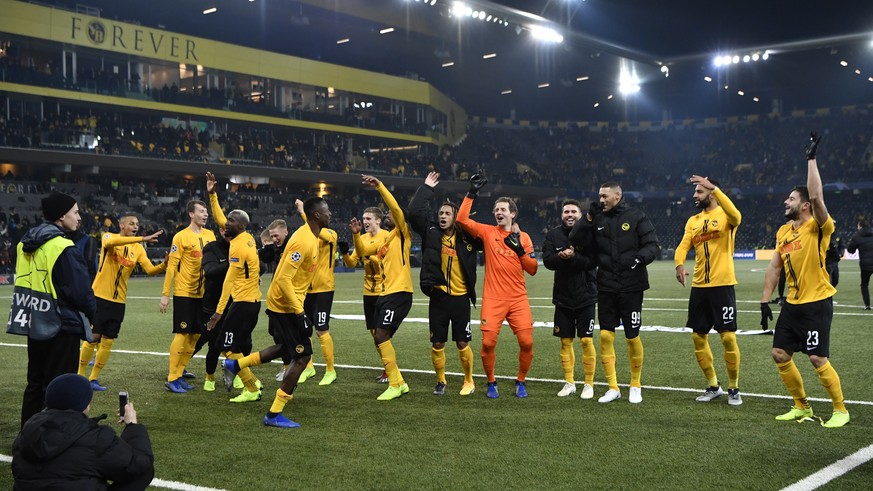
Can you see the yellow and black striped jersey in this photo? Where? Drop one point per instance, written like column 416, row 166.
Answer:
column 119, row 255
column 294, row 273
column 395, row 251
column 184, row 274
column 324, row 280
column 242, row 281
column 374, row 275
column 712, row 234
column 803, row 257
column 451, row 267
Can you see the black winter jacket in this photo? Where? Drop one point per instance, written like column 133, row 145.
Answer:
column 575, row 284
column 466, row 247
column 614, row 240
column 215, row 266
column 862, row 242
column 67, row 450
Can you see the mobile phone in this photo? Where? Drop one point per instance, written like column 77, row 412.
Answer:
column 122, row 401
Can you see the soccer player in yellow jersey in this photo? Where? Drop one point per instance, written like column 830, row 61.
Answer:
column 285, row 300
column 371, row 223
column 319, row 300
column 448, row 277
column 713, row 302
column 394, row 303
column 242, row 283
column 804, row 323
column 119, row 255
column 185, row 278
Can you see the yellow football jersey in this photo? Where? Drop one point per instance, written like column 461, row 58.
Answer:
column 324, row 280
column 119, row 255
column 803, row 257
column 242, row 281
column 712, row 234
column 294, row 273
column 374, row 274
column 395, row 251
column 184, row 274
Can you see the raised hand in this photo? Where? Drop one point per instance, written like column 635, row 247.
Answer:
column 153, row 237
column 477, row 181
column 703, row 181
column 210, row 182
column 370, row 180
column 355, row 226
column 812, row 147
column 432, row 179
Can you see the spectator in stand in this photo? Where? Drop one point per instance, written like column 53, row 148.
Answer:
column 862, row 243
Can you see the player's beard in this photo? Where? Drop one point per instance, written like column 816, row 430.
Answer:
column 703, row 204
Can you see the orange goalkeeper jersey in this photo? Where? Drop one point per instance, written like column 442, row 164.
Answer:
column 504, row 269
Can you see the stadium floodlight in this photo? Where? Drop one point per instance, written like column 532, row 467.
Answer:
column 596, row 104
column 765, row 55
column 448, row 64
column 740, row 93
column 717, row 61
column 870, row 79
column 432, row 2
column 609, row 97
column 210, row 10
column 548, row 34
column 459, row 9
column 582, row 78
column 488, row 19
column 489, row 56
column 755, row 56
column 505, row 91
column 857, row 71
column 844, row 63
column 543, row 85
column 665, row 70
column 707, row 78
column 386, row 30
column 735, row 59
column 482, row 15
column 747, row 59
column 628, row 83
column 343, row 40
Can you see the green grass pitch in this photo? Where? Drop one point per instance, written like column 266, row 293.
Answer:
column 348, row 440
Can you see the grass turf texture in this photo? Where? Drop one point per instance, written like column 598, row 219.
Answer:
column 349, row 440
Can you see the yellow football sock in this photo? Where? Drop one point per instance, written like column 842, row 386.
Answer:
column 327, row 350
column 703, row 353
column 310, row 364
column 102, row 357
column 607, row 357
column 177, row 349
column 793, row 382
column 568, row 359
column 731, row 358
column 252, row 360
column 85, row 356
column 389, row 361
column 635, row 354
column 188, row 353
column 280, row 400
column 466, row 356
column 438, row 356
column 589, row 359
column 831, row 382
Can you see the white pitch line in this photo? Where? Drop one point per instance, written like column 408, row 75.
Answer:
column 158, row 483
column 505, row 377
column 833, row 471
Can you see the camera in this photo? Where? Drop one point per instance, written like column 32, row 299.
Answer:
column 122, row 401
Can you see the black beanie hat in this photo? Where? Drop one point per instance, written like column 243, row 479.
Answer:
column 68, row 391
column 56, row 205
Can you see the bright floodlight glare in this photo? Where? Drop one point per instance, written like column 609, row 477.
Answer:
column 546, row 34
column 765, row 56
column 664, row 69
column 755, row 99
column 726, row 60
column 755, row 57
column 717, row 61
column 735, row 59
column 482, row 15
column 628, row 83
column 740, row 92
column 857, row 71
column 488, row 19
column 747, row 58
column 707, row 78
column 844, row 63
column 596, row 104
column 210, row 10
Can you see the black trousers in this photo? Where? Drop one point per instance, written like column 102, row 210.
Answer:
column 45, row 361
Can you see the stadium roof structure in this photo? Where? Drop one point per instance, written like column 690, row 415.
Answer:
column 500, row 58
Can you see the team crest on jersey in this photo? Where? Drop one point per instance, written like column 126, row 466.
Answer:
column 106, row 237
column 295, row 256
column 469, row 247
column 714, row 223
column 250, row 243
column 625, row 226
column 299, row 348
column 174, row 248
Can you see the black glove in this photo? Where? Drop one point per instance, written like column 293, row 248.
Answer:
column 637, row 262
column 301, row 323
column 595, row 208
column 513, row 241
column 343, row 247
column 814, row 138
column 766, row 313
column 476, row 183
